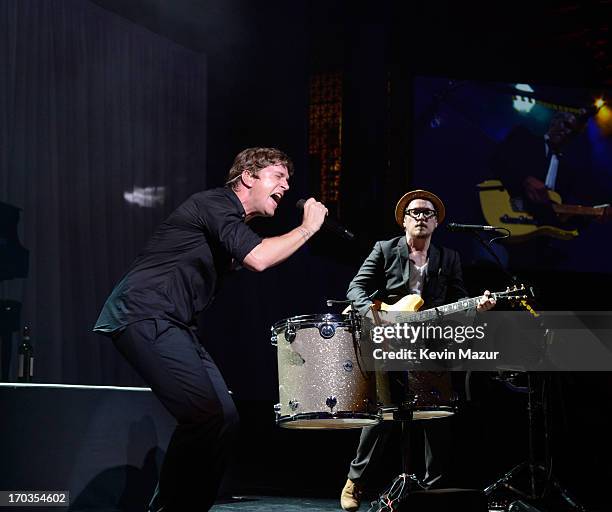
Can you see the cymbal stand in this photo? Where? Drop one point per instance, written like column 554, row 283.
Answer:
column 504, row 480
column 532, row 466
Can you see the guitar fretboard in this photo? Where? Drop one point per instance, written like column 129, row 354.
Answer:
column 455, row 307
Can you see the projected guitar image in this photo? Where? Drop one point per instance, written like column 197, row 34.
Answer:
column 499, row 209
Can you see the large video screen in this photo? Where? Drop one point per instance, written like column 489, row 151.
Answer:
column 535, row 160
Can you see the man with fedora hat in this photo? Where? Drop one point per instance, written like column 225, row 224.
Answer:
column 407, row 264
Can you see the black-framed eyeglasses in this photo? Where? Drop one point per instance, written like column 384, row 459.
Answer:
column 426, row 213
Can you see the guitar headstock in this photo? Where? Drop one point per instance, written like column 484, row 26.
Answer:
column 606, row 212
column 516, row 294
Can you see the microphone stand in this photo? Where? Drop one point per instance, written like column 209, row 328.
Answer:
column 487, row 246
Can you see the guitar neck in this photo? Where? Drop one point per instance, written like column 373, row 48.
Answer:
column 455, row 307
column 571, row 209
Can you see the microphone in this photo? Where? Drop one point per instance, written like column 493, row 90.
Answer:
column 330, row 224
column 452, row 226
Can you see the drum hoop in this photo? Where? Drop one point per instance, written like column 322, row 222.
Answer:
column 422, row 408
column 340, row 415
column 309, row 321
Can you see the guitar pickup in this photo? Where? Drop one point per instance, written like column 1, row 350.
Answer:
column 517, row 220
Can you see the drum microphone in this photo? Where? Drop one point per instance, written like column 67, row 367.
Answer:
column 330, row 224
column 452, row 226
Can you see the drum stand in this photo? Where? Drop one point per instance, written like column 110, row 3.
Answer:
column 401, row 486
column 532, row 467
column 405, row 482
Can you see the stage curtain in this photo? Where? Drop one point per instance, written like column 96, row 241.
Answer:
column 93, row 107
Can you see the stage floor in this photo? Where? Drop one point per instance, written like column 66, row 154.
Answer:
column 278, row 504
column 251, row 503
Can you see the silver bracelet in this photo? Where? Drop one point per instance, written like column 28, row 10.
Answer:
column 305, row 233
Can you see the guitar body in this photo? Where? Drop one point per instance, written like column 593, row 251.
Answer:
column 408, row 303
column 498, row 210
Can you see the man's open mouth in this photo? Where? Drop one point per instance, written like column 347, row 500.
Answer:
column 277, row 197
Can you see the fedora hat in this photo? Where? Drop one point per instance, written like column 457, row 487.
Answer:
column 419, row 194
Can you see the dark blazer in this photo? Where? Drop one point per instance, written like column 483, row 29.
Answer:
column 523, row 154
column 384, row 275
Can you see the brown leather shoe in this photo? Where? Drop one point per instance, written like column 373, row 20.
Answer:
column 350, row 498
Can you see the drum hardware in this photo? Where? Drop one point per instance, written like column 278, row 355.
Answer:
column 290, row 332
column 335, row 302
column 348, row 366
column 331, row 402
column 327, row 331
column 293, row 404
column 405, row 482
column 354, row 316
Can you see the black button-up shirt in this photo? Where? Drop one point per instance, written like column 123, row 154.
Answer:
column 179, row 271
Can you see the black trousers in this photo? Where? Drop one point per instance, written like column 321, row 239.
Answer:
column 186, row 380
column 430, row 437
column 435, row 443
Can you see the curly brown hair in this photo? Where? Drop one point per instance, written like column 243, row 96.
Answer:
column 254, row 160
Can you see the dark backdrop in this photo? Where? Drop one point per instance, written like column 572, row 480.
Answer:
column 93, row 106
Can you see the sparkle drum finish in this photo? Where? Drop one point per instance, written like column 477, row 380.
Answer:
column 428, row 395
column 321, row 384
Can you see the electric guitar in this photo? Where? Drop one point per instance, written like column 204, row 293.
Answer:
column 412, row 303
column 499, row 209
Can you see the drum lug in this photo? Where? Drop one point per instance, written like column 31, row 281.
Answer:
column 273, row 337
column 355, row 323
column 277, row 411
column 290, row 332
column 293, row 404
column 331, row 402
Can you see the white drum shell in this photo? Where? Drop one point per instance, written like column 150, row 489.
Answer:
column 315, row 373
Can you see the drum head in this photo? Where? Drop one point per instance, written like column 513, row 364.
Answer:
column 324, row 421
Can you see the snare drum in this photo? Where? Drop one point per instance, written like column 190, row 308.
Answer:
column 427, row 395
column 320, row 382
